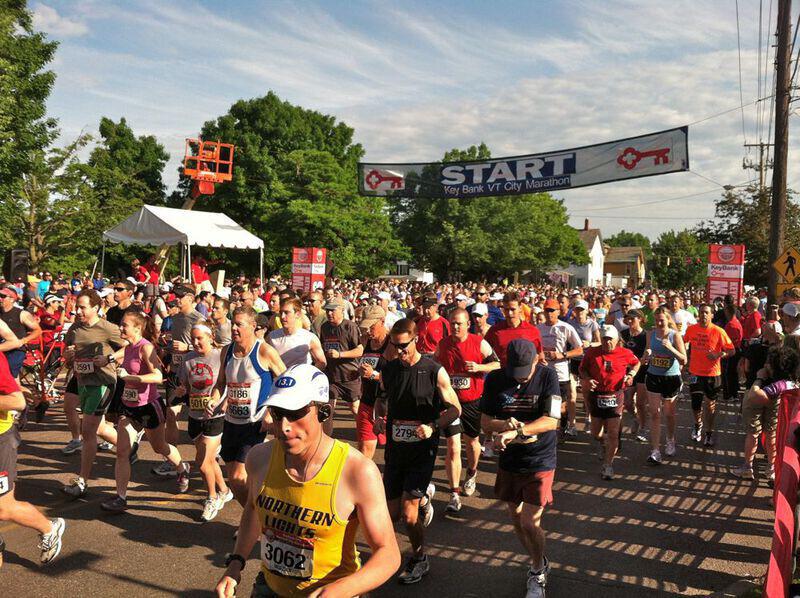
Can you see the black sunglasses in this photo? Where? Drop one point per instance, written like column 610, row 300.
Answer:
column 120, row 289
column 291, row 415
column 550, row 309
column 402, row 346
column 482, row 294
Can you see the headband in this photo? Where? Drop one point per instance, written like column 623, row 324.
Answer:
column 203, row 328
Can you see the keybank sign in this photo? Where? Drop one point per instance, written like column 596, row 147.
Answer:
column 629, row 158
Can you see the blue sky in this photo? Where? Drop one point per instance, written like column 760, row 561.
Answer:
column 418, row 78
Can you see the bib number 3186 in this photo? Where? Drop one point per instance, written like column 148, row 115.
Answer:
column 287, row 555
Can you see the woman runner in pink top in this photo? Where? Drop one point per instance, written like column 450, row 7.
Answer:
column 142, row 406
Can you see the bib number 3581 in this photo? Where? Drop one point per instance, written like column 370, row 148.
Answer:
column 287, row 555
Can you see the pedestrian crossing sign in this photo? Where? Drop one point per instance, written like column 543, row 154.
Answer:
column 788, row 264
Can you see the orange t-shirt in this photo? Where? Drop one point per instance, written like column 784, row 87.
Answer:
column 702, row 341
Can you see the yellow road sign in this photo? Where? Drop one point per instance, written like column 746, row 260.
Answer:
column 788, row 265
column 783, row 287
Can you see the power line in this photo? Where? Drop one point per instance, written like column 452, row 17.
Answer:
column 729, row 110
column 758, row 64
column 741, row 93
column 683, row 218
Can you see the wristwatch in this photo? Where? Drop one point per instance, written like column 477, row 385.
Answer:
column 520, row 429
column 235, row 557
column 111, row 358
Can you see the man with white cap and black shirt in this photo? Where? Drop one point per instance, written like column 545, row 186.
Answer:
column 521, row 407
column 341, row 342
column 479, row 316
column 307, row 496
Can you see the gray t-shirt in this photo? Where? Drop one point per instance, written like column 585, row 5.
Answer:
column 585, row 331
column 199, row 374
column 222, row 333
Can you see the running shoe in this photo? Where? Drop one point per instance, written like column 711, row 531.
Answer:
column 470, row 484
column 454, row 506
column 134, row 456
column 537, row 580
column 115, row 505
column 571, row 431
column 654, row 458
column 426, row 505
column 607, row 472
column 76, row 489
column 669, row 450
column 743, row 472
column 709, row 441
column 165, row 470
column 73, row 446
column 210, row 508
column 50, row 544
column 183, row 478
column 105, row 446
column 697, row 432
column 224, row 499
column 415, row 570
column 642, row 435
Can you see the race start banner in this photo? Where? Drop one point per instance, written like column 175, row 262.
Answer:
column 725, row 271
column 308, row 268
column 631, row 158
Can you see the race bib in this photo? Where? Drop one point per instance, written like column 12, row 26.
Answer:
column 4, row 485
column 198, row 402
column 239, row 399
column 371, row 360
column 130, row 395
column 607, row 401
column 177, row 359
column 405, row 430
column 461, row 382
column 332, row 346
column 661, row 362
column 692, row 380
column 84, row 366
column 287, row 555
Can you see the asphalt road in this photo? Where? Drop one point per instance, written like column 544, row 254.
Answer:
column 686, row 528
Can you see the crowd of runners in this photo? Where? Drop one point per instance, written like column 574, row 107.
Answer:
column 508, row 372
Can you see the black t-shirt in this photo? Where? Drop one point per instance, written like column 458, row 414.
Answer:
column 344, row 337
column 412, row 398
column 637, row 344
column 504, row 398
column 116, row 313
column 371, row 389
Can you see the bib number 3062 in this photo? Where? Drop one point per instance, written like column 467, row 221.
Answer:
column 287, row 555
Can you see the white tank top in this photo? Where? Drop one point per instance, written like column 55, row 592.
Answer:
column 293, row 348
column 248, row 385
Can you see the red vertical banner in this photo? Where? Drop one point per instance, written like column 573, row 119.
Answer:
column 308, row 268
column 725, row 271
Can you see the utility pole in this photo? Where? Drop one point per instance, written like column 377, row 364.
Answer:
column 762, row 164
column 782, row 92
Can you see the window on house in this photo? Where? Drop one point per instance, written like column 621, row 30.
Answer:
column 402, row 270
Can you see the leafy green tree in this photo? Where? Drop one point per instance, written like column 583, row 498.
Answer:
column 680, row 260
column 52, row 213
column 742, row 217
column 630, row 239
column 25, row 84
column 294, row 184
column 489, row 236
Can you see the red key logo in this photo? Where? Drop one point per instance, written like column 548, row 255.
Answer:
column 374, row 179
column 630, row 157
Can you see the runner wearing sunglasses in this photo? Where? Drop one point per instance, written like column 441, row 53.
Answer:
column 419, row 402
column 308, row 493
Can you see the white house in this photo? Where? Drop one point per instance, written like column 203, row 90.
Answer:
column 590, row 274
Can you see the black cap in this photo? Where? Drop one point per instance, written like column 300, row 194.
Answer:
column 521, row 354
column 182, row 290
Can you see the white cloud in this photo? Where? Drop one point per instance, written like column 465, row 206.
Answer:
column 46, row 18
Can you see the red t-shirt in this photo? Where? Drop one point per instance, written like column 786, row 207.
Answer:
column 430, row 333
column 141, row 274
column 501, row 334
column 453, row 355
column 734, row 330
column 608, row 369
column 7, row 386
column 750, row 324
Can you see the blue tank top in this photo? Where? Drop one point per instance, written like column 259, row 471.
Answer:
column 662, row 361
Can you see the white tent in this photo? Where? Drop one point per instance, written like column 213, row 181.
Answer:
column 153, row 225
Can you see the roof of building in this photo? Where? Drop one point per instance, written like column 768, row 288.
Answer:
column 623, row 254
column 588, row 237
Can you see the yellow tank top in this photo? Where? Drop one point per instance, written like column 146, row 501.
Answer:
column 304, row 545
column 6, row 421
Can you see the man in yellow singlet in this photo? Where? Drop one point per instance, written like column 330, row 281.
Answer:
column 308, row 493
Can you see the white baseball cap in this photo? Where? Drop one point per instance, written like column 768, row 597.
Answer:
column 609, row 332
column 580, row 304
column 791, row 309
column 298, row 386
column 461, row 297
column 384, row 296
column 480, row 309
